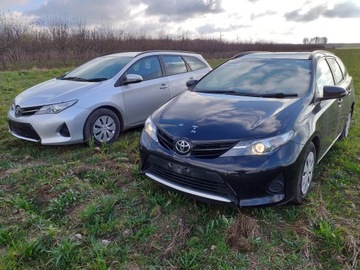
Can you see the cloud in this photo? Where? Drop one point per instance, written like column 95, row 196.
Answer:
column 6, row 3
column 211, row 28
column 90, row 10
column 341, row 10
column 264, row 14
column 181, row 10
column 308, row 16
column 344, row 10
column 111, row 11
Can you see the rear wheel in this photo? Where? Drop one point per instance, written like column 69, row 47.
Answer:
column 103, row 126
column 306, row 174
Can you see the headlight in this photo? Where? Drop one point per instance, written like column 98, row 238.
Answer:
column 259, row 147
column 56, row 108
column 150, row 129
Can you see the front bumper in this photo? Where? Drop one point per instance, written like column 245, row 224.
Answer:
column 65, row 127
column 240, row 181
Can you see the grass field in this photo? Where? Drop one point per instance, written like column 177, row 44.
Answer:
column 80, row 207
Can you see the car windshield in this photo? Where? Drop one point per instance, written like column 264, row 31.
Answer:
column 99, row 69
column 275, row 77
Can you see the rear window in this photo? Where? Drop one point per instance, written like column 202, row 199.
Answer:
column 259, row 77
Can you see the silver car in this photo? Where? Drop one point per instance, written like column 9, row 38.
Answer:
column 103, row 97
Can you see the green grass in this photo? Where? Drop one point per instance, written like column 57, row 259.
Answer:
column 79, row 207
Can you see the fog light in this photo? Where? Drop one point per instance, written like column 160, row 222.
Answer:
column 277, row 185
column 64, row 131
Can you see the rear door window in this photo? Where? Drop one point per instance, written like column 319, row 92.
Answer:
column 174, row 64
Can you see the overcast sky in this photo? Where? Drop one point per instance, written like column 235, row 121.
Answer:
column 288, row 21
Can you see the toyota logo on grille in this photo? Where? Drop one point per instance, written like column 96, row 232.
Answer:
column 182, row 147
column 17, row 110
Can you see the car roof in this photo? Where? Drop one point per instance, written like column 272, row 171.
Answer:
column 288, row 55
column 151, row 52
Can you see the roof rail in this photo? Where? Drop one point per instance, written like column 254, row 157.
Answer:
column 320, row 52
column 245, row 53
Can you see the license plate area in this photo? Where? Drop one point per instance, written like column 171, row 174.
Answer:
column 179, row 169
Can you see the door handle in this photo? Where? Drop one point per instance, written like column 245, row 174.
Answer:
column 164, row 86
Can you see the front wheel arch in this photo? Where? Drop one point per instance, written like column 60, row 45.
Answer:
column 305, row 174
column 87, row 133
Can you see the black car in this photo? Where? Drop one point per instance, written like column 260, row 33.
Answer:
column 251, row 131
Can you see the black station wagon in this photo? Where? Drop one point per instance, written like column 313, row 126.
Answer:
column 251, row 131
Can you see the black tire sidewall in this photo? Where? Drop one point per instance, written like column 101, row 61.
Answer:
column 299, row 197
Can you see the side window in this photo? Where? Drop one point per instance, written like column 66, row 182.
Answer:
column 174, row 64
column 338, row 76
column 323, row 75
column 342, row 66
column 148, row 67
column 194, row 63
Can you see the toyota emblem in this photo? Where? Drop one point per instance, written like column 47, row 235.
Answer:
column 182, row 147
column 17, row 111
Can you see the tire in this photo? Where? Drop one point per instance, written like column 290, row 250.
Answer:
column 306, row 174
column 345, row 132
column 102, row 126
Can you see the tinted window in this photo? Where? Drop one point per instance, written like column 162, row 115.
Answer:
column 103, row 67
column 259, row 77
column 194, row 62
column 323, row 75
column 338, row 76
column 174, row 64
column 148, row 67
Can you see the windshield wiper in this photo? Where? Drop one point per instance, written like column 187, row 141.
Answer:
column 97, row 79
column 226, row 92
column 247, row 94
column 83, row 80
column 74, row 79
column 278, row 95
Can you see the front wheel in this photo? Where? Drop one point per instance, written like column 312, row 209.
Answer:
column 103, row 126
column 306, row 174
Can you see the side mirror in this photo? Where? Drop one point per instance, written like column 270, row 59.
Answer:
column 132, row 78
column 190, row 84
column 333, row 92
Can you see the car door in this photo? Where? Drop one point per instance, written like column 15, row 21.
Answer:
column 346, row 83
column 177, row 72
column 327, row 111
column 142, row 98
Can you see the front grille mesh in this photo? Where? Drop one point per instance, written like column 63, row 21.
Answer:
column 196, row 179
column 28, row 111
column 24, row 130
column 199, row 150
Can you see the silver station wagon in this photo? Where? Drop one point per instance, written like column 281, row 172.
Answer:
column 103, row 97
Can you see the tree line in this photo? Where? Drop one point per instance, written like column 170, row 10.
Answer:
column 60, row 43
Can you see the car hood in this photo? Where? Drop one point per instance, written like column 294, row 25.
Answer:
column 201, row 116
column 52, row 91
